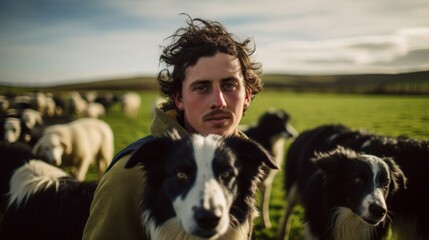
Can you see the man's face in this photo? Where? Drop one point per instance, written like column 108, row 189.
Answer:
column 213, row 95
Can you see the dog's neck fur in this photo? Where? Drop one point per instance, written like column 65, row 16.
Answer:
column 345, row 225
column 172, row 230
column 348, row 225
column 277, row 150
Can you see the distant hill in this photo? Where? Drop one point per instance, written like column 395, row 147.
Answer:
column 407, row 83
column 402, row 83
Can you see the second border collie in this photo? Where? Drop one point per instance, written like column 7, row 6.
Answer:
column 200, row 187
column 345, row 194
column 271, row 131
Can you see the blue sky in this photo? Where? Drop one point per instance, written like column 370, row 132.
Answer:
column 45, row 42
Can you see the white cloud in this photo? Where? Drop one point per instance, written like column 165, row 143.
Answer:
column 309, row 36
column 369, row 53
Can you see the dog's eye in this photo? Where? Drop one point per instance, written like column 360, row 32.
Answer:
column 182, row 176
column 385, row 183
column 358, row 181
column 225, row 175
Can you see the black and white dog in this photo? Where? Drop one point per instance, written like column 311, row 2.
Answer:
column 271, row 131
column 410, row 218
column 345, row 194
column 201, row 187
column 38, row 200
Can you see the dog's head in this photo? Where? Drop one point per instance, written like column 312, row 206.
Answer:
column 360, row 182
column 207, row 183
column 277, row 122
column 51, row 148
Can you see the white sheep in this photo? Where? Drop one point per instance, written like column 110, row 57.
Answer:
column 12, row 129
column 50, row 106
column 94, row 110
column 76, row 104
column 31, row 118
column 77, row 144
column 39, row 101
column 130, row 104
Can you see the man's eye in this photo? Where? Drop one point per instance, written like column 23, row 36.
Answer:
column 201, row 89
column 229, row 86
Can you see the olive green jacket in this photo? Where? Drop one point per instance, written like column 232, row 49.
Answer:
column 115, row 211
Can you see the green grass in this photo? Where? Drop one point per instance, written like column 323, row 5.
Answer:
column 388, row 115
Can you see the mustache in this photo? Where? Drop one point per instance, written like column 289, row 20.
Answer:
column 223, row 112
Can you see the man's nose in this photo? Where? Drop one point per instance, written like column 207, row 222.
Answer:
column 218, row 99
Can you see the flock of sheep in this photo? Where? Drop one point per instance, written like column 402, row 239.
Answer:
column 65, row 131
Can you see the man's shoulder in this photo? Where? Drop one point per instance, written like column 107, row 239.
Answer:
column 130, row 149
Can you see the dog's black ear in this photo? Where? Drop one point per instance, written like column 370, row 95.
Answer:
column 249, row 149
column 151, row 151
column 399, row 179
column 332, row 160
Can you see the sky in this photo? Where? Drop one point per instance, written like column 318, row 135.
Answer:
column 49, row 42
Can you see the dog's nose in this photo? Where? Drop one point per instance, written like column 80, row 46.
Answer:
column 377, row 211
column 206, row 219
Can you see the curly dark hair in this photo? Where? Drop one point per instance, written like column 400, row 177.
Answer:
column 203, row 38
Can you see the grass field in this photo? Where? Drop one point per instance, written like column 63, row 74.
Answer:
column 389, row 115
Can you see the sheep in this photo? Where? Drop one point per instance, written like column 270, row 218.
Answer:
column 58, row 103
column 50, row 107
column 38, row 101
column 21, row 102
column 94, row 110
column 12, row 129
column 107, row 99
column 31, row 118
column 16, row 130
column 130, row 104
column 4, row 104
column 76, row 104
column 77, row 144
column 90, row 96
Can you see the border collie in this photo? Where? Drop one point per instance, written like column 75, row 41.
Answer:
column 201, row 187
column 38, row 200
column 345, row 194
column 271, row 131
column 410, row 207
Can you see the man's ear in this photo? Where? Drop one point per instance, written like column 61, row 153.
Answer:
column 177, row 97
column 247, row 99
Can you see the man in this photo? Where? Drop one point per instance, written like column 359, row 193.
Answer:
column 212, row 83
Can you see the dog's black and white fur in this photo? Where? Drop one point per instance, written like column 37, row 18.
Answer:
column 345, row 194
column 200, row 187
column 410, row 218
column 38, row 200
column 271, row 131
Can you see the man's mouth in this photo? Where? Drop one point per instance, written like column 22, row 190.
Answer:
column 217, row 117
